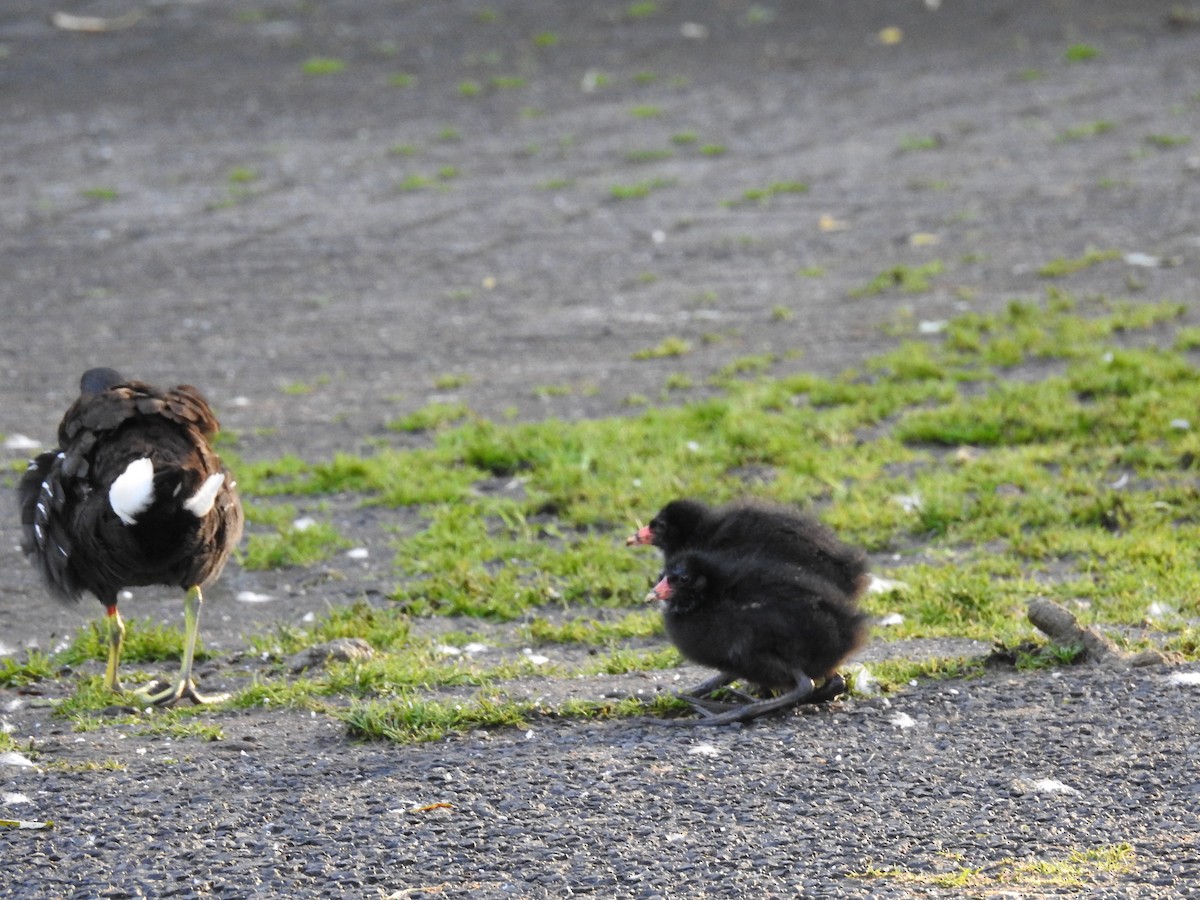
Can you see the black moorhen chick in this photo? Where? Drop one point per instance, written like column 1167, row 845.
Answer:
column 766, row 621
column 134, row 495
column 752, row 528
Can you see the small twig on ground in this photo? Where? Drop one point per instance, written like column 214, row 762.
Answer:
column 1062, row 628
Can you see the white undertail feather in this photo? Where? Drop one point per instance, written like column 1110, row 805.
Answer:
column 133, row 491
column 202, row 501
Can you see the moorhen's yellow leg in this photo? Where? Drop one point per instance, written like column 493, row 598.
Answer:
column 115, row 631
column 184, row 686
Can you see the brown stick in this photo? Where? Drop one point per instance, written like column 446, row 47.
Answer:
column 1062, row 628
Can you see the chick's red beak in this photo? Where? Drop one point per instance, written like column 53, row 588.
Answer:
column 642, row 536
column 661, row 591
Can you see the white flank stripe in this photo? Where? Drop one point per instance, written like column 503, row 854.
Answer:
column 202, row 501
column 133, row 491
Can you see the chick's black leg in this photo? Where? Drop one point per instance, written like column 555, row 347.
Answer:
column 706, row 688
column 749, row 711
column 834, row 685
column 698, row 697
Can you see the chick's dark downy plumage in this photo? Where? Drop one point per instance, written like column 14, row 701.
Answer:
column 756, row 530
column 134, row 495
column 765, row 621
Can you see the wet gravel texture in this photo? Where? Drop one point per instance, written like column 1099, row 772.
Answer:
column 182, row 201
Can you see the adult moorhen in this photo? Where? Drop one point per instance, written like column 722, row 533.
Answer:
column 134, row 495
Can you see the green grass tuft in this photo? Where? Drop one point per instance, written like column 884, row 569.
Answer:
column 1080, row 53
column 909, row 279
column 1087, row 130
column 323, row 65
column 920, row 142
column 432, row 417
column 669, row 347
column 640, row 189
column 36, row 666
column 1167, row 141
column 290, row 546
column 1061, row 267
column 763, row 195
column 411, row 719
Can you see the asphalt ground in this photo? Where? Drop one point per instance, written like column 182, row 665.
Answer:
column 317, row 251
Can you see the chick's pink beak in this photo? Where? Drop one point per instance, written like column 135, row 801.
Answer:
column 661, row 591
column 642, row 536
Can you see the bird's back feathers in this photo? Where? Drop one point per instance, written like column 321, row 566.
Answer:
column 81, row 539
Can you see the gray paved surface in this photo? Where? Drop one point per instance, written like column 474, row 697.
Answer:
column 181, row 200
